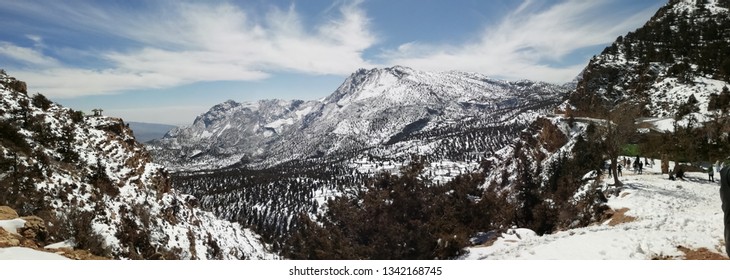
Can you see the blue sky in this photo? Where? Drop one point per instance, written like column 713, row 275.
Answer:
column 169, row 61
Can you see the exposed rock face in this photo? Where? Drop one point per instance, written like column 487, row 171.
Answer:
column 7, row 213
column 8, row 239
column 35, row 229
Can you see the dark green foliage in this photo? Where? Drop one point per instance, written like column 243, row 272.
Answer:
column 77, row 116
column 527, row 194
column 21, row 114
column 66, row 143
column 11, row 138
column 43, row 132
column 40, row 101
column 101, row 181
column 631, row 150
column 720, row 101
column 136, row 237
column 76, row 224
column 725, row 68
column 396, row 217
column 547, row 205
column 691, row 142
column 690, row 106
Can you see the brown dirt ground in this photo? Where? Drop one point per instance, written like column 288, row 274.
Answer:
column 693, row 254
column 620, row 217
column 700, row 254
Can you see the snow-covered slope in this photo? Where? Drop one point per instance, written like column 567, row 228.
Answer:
column 669, row 216
column 681, row 52
column 372, row 108
column 20, row 253
column 90, row 179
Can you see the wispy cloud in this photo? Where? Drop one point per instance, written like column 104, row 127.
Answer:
column 528, row 43
column 26, row 56
column 183, row 43
column 172, row 43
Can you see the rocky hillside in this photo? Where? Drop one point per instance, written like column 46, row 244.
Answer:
column 97, row 186
column 548, row 175
column 675, row 65
column 372, row 109
column 682, row 54
column 27, row 238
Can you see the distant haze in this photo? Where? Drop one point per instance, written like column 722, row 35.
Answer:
column 147, row 131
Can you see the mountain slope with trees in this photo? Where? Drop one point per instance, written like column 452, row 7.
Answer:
column 96, row 185
column 676, row 68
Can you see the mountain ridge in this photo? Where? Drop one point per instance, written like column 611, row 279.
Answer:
column 380, row 103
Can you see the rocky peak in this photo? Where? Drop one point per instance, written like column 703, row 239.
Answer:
column 698, row 7
column 365, row 83
column 684, row 46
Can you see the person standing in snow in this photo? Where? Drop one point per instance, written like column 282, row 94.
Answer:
column 711, row 173
column 641, row 167
column 725, row 198
column 619, row 170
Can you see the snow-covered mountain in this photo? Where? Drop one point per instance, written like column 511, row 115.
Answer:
column 230, row 132
column 682, row 51
column 94, row 183
column 372, row 108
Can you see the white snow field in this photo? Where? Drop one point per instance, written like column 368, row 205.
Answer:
column 21, row 253
column 668, row 214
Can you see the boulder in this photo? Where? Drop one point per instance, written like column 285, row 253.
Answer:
column 7, row 213
column 7, row 239
column 35, row 228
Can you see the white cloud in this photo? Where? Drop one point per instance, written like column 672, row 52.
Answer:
column 528, row 42
column 26, row 56
column 184, row 43
column 176, row 43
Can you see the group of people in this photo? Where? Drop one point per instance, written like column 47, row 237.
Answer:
column 724, row 171
column 638, row 165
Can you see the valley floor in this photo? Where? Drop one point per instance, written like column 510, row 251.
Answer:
column 673, row 220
